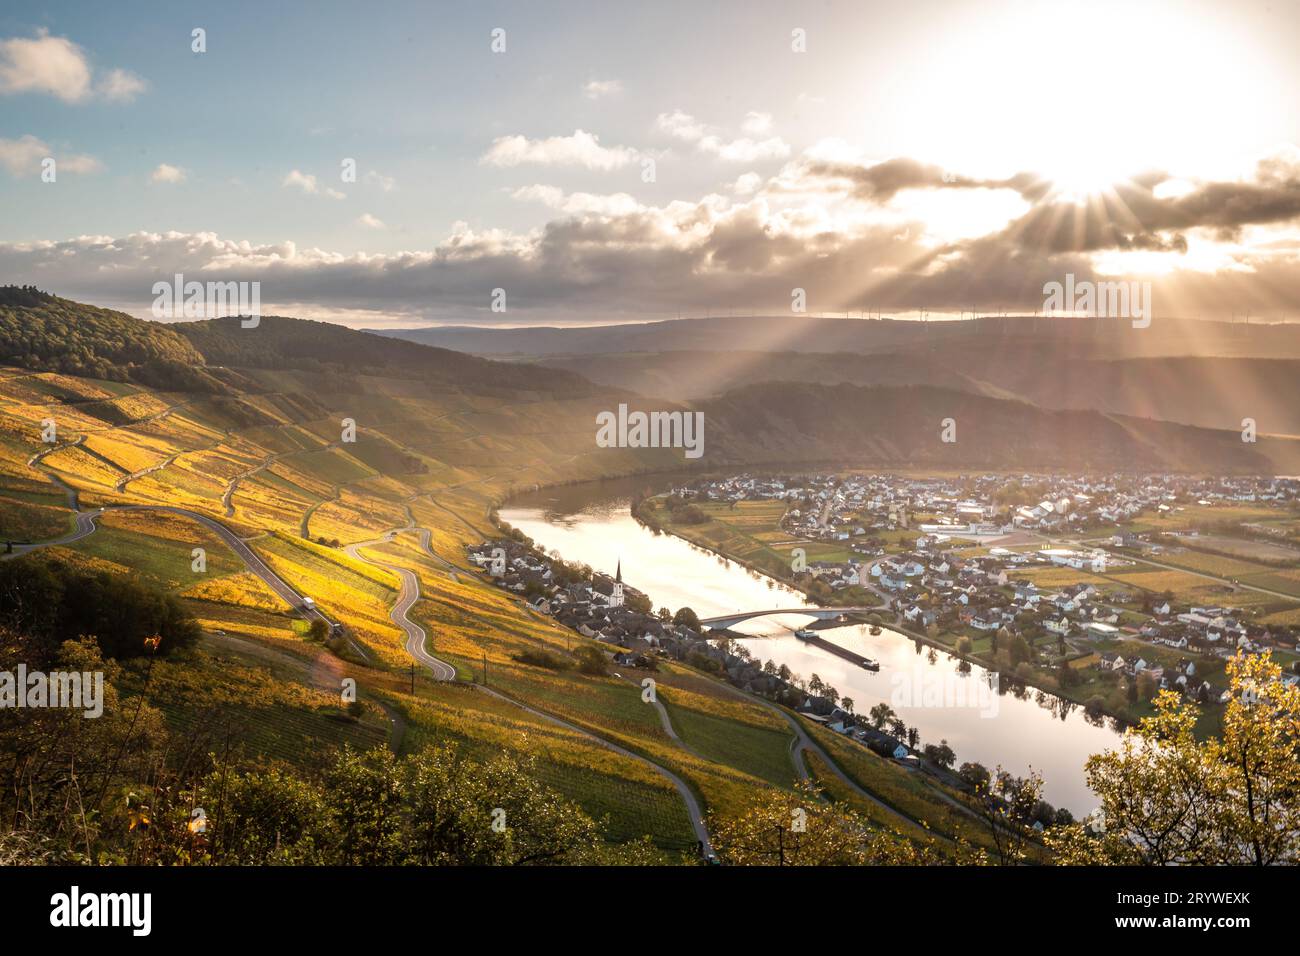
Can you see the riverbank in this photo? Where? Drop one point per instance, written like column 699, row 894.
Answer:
column 895, row 622
column 1034, row 731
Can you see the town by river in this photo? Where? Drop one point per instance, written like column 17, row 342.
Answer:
column 928, row 689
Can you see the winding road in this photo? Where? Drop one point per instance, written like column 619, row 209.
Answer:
column 415, row 646
column 408, row 595
column 416, row 638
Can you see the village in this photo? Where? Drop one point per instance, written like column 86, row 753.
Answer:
column 956, row 558
column 607, row 609
column 950, row 563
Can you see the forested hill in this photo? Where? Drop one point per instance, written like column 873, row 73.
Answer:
column 45, row 333
column 901, row 426
column 279, row 342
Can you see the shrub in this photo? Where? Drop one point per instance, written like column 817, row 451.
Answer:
column 535, row 657
column 592, row 660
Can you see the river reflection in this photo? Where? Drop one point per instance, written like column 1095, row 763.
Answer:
column 941, row 696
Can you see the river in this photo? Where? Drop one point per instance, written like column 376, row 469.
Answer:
column 927, row 688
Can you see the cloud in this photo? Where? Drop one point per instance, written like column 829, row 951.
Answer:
column 1140, row 215
column 685, row 127
column 57, row 67
column 580, row 149
column 376, row 178
column 23, row 156
column 595, row 89
column 120, row 86
column 745, row 150
column 309, row 185
column 370, row 222
column 616, row 204
column 610, row 256
column 756, row 124
column 880, row 182
column 167, row 173
column 680, row 125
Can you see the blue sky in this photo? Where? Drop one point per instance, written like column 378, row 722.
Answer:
column 408, row 89
column 525, row 169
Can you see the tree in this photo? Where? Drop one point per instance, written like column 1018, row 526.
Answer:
column 51, row 601
column 802, row 829
column 687, row 618
column 1168, row 798
column 318, row 630
column 941, row 754
column 880, row 715
column 1146, row 686
column 975, row 774
column 1006, row 804
column 847, row 704
column 459, row 812
column 1019, row 650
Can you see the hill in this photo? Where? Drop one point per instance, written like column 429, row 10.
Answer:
column 440, row 439
column 43, row 332
column 902, row 426
column 1077, row 337
column 1204, row 391
column 305, row 344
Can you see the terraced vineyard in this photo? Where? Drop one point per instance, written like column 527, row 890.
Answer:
column 270, row 456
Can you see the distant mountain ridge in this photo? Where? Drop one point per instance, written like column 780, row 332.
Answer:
column 1209, row 392
column 905, row 426
column 888, row 421
column 1081, row 337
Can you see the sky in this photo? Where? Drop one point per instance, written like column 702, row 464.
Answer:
column 612, row 162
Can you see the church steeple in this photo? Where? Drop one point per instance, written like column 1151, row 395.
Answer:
column 618, row 571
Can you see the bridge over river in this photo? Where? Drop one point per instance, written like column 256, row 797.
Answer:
column 820, row 613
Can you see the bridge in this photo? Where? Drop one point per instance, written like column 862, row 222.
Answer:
column 820, row 613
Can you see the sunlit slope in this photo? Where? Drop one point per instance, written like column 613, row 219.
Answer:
column 303, row 457
column 276, row 460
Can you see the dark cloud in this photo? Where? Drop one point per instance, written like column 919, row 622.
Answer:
column 624, row 261
column 1131, row 216
column 882, row 181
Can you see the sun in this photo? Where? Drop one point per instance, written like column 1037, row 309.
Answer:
column 1087, row 95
